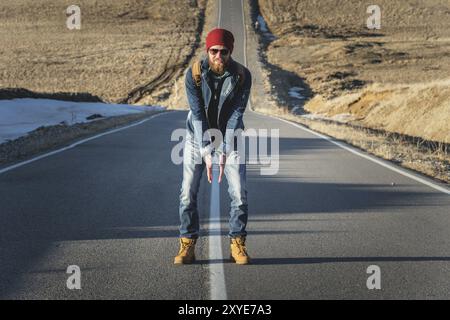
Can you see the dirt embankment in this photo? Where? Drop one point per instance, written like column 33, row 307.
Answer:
column 124, row 49
column 395, row 78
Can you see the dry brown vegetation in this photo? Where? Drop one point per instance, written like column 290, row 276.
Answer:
column 395, row 78
column 415, row 156
column 122, row 46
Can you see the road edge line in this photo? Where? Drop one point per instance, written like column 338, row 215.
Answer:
column 73, row 145
column 372, row 158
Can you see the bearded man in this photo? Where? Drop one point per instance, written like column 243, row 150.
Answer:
column 217, row 89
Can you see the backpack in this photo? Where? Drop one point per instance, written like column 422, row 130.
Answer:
column 197, row 73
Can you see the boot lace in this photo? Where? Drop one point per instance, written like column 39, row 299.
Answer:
column 186, row 245
column 240, row 244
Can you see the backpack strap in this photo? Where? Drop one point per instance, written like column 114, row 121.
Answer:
column 197, row 73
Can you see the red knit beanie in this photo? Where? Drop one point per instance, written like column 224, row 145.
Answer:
column 218, row 36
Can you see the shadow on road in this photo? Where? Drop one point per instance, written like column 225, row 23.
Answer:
column 130, row 190
column 316, row 260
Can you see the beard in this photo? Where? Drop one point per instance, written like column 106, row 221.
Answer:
column 217, row 66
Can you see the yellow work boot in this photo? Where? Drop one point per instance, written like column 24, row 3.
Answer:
column 186, row 255
column 239, row 251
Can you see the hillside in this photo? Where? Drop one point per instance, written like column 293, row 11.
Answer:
column 395, row 78
column 121, row 46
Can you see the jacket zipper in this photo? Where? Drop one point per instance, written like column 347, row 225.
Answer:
column 209, row 100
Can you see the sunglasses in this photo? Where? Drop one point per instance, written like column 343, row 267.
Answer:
column 223, row 52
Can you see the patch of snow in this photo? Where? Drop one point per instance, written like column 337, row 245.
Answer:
column 342, row 117
column 294, row 92
column 262, row 26
column 296, row 110
column 314, row 116
column 20, row 116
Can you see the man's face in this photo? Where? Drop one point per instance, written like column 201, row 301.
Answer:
column 218, row 58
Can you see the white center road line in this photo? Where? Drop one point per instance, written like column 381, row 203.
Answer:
column 17, row 165
column 220, row 14
column 217, row 275
column 218, row 289
column 216, row 271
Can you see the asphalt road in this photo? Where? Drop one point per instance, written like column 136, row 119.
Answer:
column 110, row 206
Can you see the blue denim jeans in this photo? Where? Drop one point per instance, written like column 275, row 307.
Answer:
column 193, row 168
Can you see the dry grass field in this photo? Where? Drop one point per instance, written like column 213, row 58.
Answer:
column 123, row 47
column 395, row 78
